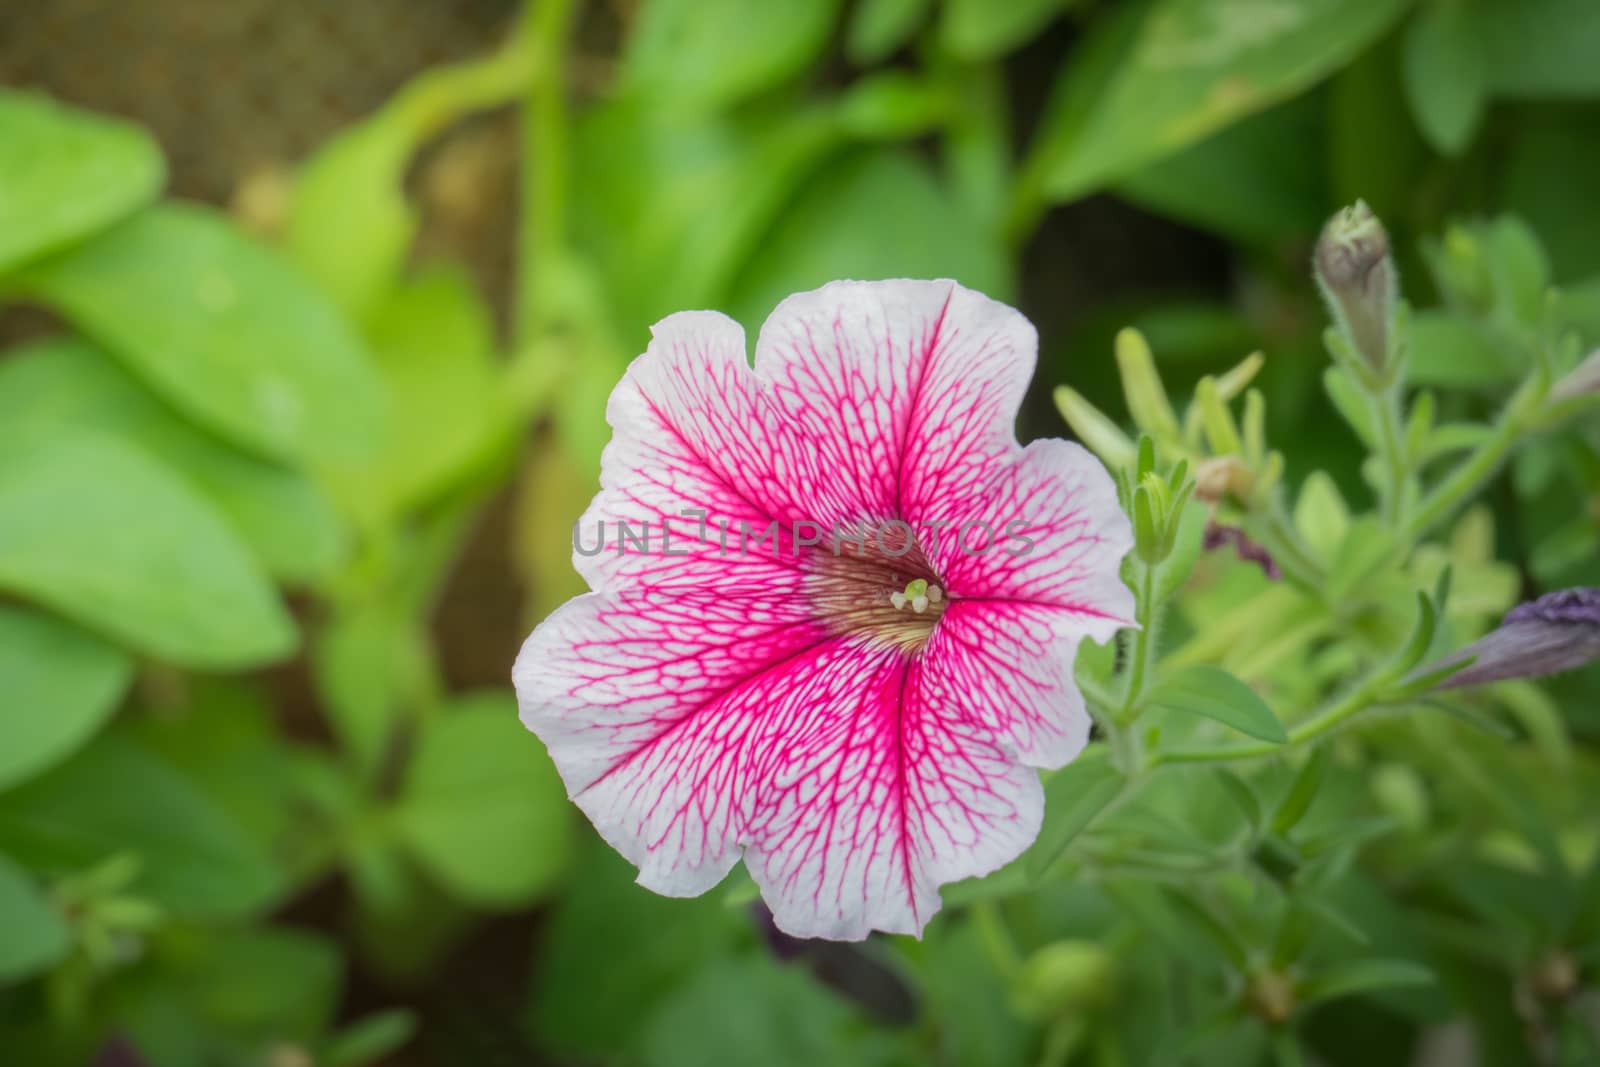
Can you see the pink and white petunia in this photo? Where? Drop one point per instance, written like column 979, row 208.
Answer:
column 835, row 607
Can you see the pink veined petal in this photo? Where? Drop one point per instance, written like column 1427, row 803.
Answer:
column 1058, row 538
column 856, row 780
column 907, row 389
column 1016, row 660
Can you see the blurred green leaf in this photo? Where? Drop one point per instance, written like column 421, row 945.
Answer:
column 1190, row 68
column 1368, row 545
column 981, row 29
column 61, row 686
column 1363, row 976
column 1213, row 693
column 1539, row 48
column 223, row 328
column 1546, row 183
column 115, row 796
column 868, row 216
column 229, row 997
column 892, row 105
column 753, row 1011
column 699, row 54
column 1444, row 74
column 350, row 225
column 879, row 28
column 278, row 512
column 1447, row 350
column 98, row 531
column 369, row 1040
column 434, row 345
column 1258, row 180
column 1074, row 795
column 66, row 173
column 482, row 807
column 33, row 934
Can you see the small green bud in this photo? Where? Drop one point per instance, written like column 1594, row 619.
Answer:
column 1097, row 432
column 1063, row 977
column 1141, row 384
column 1582, row 380
column 1357, row 277
column 1221, row 431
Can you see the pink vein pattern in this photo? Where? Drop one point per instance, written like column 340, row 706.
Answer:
column 705, row 704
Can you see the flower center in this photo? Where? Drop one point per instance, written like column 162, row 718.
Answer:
column 892, row 598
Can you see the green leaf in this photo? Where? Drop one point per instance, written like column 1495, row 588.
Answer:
column 867, row 216
column 1213, row 693
column 115, row 797
column 221, row 327
column 61, row 685
column 879, row 28
column 1363, row 976
column 1253, row 181
column 1367, row 548
column 1444, row 75
column 1447, row 350
column 278, row 512
column 700, row 54
column 33, row 934
column 65, row 173
column 369, row 1040
column 434, row 343
column 1544, row 184
column 1188, row 69
column 981, row 29
column 1073, row 796
column 350, row 225
column 1539, row 48
column 1301, row 792
column 483, row 808
column 97, row 530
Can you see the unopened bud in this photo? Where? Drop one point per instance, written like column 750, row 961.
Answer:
column 1357, row 277
column 1558, row 632
column 1580, row 380
column 1063, row 977
column 1141, row 384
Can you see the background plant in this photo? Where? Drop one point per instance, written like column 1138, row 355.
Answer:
column 246, row 817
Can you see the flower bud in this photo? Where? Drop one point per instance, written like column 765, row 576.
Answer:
column 1063, row 977
column 1357, row 277
column 1558, row 632
column 1141, row 385
column 1580, row 380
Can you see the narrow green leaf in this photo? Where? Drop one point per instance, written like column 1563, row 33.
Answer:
column 33, row 935
column 1302, row 791
column 1421, row 638
column 482, row 807
column 878, row 28
column 1444, row 75
column 97, row 530
column 284, row 518
column 370, row 1039
column 223, row 328
column 61, row 684
column 1213, row 693
column 1363, row 976
column 66, row 173
column 1073, row 797
column 1242, row 795
column 979, row 29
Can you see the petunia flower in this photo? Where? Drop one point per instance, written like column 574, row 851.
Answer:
column 859, row 702
column 1558, row 632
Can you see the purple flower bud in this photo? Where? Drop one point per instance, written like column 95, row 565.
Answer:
column 1584, row 378
column 1558, row 632
column 1356, row 274
column 1219, row 536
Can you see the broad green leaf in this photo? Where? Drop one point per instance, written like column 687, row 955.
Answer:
column 278, row 512
column 878, row 28
column 1363, row 976
column 115, row 797
column 1447, row 350
column 482, row 807
column 350, row 224
column 1321, row 517
column 65, row 173
column 61, row 684
column 1258, row 180
column 699, row 54
column 1189, row 68
column 433, row 342
column 1073, row 795
column 94, row 528
column 222, row 327
column 1215, row 694
column 981, row 29
column 1539, row 48
column 33, row 934
column 211, row 997
column 1444, row 74
column 875, row 214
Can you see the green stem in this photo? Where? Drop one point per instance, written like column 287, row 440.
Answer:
column 1143, row 643
column 541, row 232
column 996, row 938
column 1352, row 703
column 1479, row 467
column 1391, row 453
column 437, row 98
